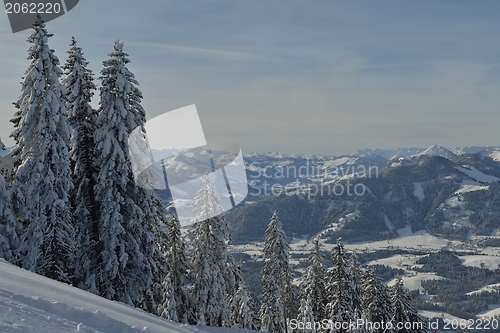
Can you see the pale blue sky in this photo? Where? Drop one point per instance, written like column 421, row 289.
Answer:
column 327, row 77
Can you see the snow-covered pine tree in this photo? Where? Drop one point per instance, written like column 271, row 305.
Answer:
column 40, row 190
column 276, row 279
column 9, row 227
column 403, row 309
column 242, row 306
column 313, row 285
column 271, row 313
column 339, row 288
column 355, row 274
column 80, row 87
column 377, row 305
column 155, row 237
column 306, row 317
column 176, row 258
column 245, row 316
column 168, row 308
column 154, row 247
column 210, row 257
column 124, row 222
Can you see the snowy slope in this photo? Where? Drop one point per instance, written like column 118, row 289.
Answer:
column 435, row 151
column 31, row 303
column 477, row 175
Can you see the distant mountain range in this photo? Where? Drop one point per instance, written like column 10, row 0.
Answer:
column 450, row 193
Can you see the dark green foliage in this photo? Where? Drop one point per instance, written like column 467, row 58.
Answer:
column 385, row 272
column 451, row 292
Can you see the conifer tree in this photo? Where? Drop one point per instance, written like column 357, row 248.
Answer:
column 168, row 308
column 9, row 227
column 271, row 311
column 403, row 309
column 154, row 247
column 210, row 257
column 355, row 274
column 377, row 307
column 313, row 285
column 176, row 257
column 40, row 190
column 242, row 305
column 306, row 317
column 124, row 226
column 154, row 237
column 245, row 316
column 277, row 277
column 82, row 117
column 339, row 288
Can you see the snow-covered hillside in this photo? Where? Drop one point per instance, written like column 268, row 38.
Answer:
column 32, row 303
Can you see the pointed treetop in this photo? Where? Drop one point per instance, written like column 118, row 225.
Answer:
column 118, row 46
column 39, row 21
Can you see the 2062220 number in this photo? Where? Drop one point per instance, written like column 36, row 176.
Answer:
column 32, row 8
column 471, row 324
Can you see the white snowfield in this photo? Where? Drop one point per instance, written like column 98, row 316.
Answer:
column 30, row 303
column 493, row 310
column 414, row 281
column 477, row 175
column 489, row 262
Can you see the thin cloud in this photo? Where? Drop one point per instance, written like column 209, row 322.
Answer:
column 190, row 51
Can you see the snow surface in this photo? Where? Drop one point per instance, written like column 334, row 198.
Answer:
column 469, row 185
column 489, row 262
column 397, row 261
column 414, row 282
column 437, row 314
column 408, row 240
column 477, row 175
column 418, row 191
column 493, row 310
column 495, row 155
column 489, row 288
column 435, row 150
column 340, row 161
column 32, row 303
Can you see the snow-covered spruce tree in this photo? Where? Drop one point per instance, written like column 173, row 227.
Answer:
column 209, row 261
column 176, row 258
column 40, row 190
column 276, row 279
column 80, row 87
column 154, row 247
column 155, row 237
column 339, row 288
column 9, row 227
column 169, row 306
column 124, row 220
column 377, row 307
column 271, row 313
column 306, row 317
column 355, row 274
column 242, row 306
column 403, row 309
column 313, row 285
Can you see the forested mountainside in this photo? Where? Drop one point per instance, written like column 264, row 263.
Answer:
column 360, row 198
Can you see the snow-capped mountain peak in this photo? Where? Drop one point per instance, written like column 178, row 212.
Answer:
column 436, row 150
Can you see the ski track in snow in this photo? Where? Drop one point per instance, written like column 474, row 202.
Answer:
column 32, row 303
